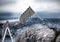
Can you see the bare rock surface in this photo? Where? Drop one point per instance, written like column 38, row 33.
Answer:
column 35, row 33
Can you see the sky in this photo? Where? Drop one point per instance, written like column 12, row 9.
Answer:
column 37, row 5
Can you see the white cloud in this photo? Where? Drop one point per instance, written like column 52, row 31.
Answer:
column 22, row 5
column 57, row 1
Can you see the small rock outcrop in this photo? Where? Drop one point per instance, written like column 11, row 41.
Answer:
column 35, row 34
column 58, row 39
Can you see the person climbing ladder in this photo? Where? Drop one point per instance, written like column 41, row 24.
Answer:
column 5, row 29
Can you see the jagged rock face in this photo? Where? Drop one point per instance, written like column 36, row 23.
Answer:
column 58, row 39
column 36, row 34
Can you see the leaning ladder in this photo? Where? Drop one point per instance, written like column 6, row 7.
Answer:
column 7, row 29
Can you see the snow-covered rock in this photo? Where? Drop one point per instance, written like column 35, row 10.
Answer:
column 35, row 33
column 58, row 39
